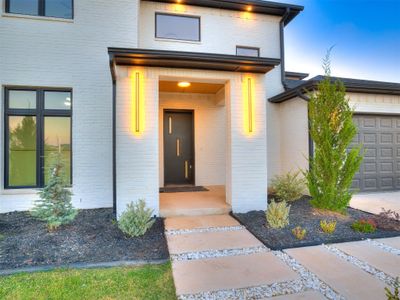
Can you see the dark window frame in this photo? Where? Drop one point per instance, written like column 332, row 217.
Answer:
column 40, row 113
column 41, row 10
column 249, row 48
column 176, row 15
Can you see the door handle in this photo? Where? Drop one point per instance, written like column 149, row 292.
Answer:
column 187, row 169
column 178, row 147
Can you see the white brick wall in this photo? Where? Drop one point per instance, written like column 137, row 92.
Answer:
column 54, row 53
column 221, row 30
column 137, row 160
column 209, row 133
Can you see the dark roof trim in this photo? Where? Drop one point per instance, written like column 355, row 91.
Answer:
column 257, row 6
column 297, row 75
column 191, row 60
column 352, row 85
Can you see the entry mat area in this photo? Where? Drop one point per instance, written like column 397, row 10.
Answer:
column 179, row 189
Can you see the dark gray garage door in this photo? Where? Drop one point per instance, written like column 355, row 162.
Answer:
column 380, row 169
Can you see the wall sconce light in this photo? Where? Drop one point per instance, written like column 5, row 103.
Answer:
column 250, row 104
column 137, row 102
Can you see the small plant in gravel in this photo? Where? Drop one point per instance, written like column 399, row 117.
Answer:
column 388, row 220
column 136, row 219
column 396, row 292
column 1, row 237
column 364, row 226
column 299, row 232
column 55, row 206
column 288, row 187
column 277, row 214
column 328, row 226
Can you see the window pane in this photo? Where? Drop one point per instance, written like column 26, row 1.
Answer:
column 243, row 51
column 58, row 8
column 22, row 151
column 178, row 27
column 22, row 99
column 57, row 137
column 57, row 100
column 26, row 7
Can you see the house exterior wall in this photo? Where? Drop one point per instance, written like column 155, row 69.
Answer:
column 137, row 159
column 209, row 135
column 48, row 52
column 221, row 30
column 293, row 128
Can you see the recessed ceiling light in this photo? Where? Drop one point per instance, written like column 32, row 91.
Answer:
column 183, row 84
column 249, row 8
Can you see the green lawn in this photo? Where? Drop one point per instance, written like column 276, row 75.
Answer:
column 148, row 282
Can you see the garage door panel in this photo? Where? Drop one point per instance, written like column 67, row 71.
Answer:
column 380, row 137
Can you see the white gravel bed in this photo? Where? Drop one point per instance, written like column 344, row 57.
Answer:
column 257, row 292
column 362, row 265
column 200, row 230
column 218, row 253
column 384, row 247
column 309, row 280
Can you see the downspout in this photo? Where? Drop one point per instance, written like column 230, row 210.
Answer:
column 114, row 131
column 282, row 45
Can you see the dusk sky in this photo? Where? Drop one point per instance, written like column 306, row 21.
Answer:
column 366, row 35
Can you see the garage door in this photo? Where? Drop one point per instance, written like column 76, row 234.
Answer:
column 380, row 169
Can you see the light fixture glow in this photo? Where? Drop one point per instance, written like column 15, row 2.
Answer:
column 137, row 104
column 250, row 104
column 184, row 84
column 249, row 8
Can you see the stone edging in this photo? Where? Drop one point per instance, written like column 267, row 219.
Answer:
column 111, row 264
column 382, row 276
column 384, row 247
column 201, row 230
column 217, row 253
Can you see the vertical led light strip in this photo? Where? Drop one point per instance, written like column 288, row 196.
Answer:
column 137, row 102
column 250, row 104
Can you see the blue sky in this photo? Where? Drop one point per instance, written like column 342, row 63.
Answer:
column 366, row 35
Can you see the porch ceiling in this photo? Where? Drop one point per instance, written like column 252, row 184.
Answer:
column 191, row 60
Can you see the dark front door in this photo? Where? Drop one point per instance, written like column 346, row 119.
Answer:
column 178, row 147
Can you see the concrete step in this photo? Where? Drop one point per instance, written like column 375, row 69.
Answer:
column 197, row 222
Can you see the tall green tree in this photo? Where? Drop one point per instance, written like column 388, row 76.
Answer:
column 55, row 206
column 334, row 163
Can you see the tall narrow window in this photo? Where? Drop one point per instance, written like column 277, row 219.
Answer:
column 47, row 8
column 177, row 27
column 38, row 123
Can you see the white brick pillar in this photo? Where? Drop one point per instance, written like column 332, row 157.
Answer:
column 246, row 151
column 137, row 152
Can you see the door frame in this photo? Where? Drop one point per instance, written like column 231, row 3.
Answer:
column 192, row 112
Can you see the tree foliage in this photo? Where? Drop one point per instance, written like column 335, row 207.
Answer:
column 332, row 130
column 55, row 206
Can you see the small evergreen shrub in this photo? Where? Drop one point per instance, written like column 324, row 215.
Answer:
column 334, row 163
column 328, row 226
column 136, row 219
column 396, row 293
column 288, row 187
column 277, row 214
column 299, row 232
column 55, row 205
column 364, row 225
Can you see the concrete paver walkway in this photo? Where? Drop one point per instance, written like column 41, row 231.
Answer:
column 214, row 257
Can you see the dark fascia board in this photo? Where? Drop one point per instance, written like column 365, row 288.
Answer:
column 257, row 6
column 296, row 75
column 352, row 85
column 190, row 60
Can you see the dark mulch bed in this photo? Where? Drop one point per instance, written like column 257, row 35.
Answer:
column 302, row 214
column 92, row 237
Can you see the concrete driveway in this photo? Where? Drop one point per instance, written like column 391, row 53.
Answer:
column 374, row 202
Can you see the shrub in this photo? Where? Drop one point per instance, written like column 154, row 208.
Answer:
column 388, row 220
column 334, row 163
column 299, row 232
column 288, row 187
column 278, row 214
column 364, row 225
column 396, row 293
column 136, row 219
column 328, row 226
column 55, row 206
